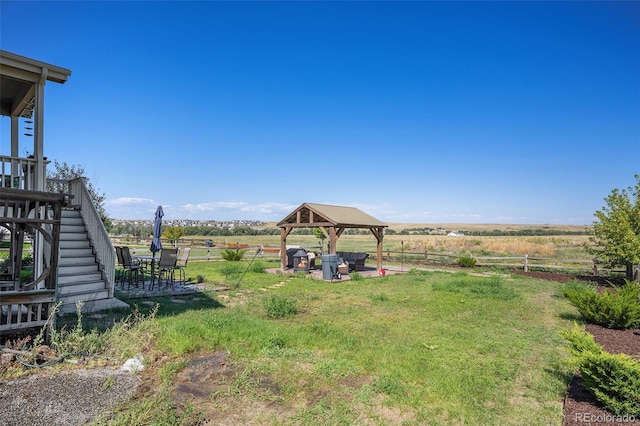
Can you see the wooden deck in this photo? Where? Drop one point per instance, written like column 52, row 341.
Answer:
column 28, row 302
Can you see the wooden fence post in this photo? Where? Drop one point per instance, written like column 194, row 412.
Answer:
column 526, row 263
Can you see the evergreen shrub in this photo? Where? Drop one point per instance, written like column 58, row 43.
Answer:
column 619, row 309
column 233, row 255
column 613, row 379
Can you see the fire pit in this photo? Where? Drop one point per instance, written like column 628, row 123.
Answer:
column 301, row 261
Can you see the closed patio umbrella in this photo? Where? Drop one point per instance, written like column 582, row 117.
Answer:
column 156, row 244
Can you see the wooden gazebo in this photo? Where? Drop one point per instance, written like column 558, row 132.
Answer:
column 332, row 221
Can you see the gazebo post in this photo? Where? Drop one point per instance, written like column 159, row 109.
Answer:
column 283, row 247
column 333, row 240
column 379, row 236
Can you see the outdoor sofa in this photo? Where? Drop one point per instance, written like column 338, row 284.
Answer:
column 355, row 259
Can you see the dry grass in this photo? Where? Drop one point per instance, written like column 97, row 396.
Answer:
column 533, row 246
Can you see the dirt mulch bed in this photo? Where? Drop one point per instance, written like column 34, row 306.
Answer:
column 580, row 407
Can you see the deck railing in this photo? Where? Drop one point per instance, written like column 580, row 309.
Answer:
column 17, row 172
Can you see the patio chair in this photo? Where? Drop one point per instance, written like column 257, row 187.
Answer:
column 166, row 267
column 130, row 266
column 182, row 263
column 120, row 269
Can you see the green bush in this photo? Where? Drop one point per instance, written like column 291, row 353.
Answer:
column 612, row 309
column 581, row 342
column 466, row 262
column 280, row 307
column 26, row 276
column 27, row 259
column 613, row 379
column 233, row 255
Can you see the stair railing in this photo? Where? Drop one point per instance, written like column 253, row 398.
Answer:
column 96, row 230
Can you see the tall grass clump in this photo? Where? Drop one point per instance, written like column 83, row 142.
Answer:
column 231, row 269
column 618, row 309
column 278, row 306
column 257, row 267
column 124, row 338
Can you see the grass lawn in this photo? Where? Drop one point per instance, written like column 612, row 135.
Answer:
column 415, row 348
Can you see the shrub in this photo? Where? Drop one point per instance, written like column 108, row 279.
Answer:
column 233, row 255
column 26, row 276
column 27, row 259
column 619, row 309
column 280, row 307
column 581, row 342
column 466, row 262
column 613, row 379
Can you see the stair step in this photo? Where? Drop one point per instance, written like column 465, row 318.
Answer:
column 84, row 288
column 77, row 269
column 79, row 252
column 74, row 244
column 74, row 236
column 78, row 278
column 73, row 221
column 71, row 229
column 84, row 296
column 77, row 261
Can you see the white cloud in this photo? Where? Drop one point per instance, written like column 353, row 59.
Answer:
column 129, row 201
column 222, row 210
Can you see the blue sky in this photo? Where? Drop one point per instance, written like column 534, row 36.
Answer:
column 423, row 112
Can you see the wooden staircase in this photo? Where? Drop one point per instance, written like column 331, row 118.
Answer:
column 80, row 276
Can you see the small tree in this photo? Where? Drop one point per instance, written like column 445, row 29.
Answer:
column 65, row 171
column 173, row 233
column 616, row 232
column 317, row 232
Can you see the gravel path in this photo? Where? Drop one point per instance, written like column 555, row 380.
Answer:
column 74, row 397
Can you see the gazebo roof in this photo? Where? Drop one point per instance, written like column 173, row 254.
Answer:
column 310, row 215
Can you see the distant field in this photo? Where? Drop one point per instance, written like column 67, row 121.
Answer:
column 398, row 227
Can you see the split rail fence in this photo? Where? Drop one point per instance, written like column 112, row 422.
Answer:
column 525, row 263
